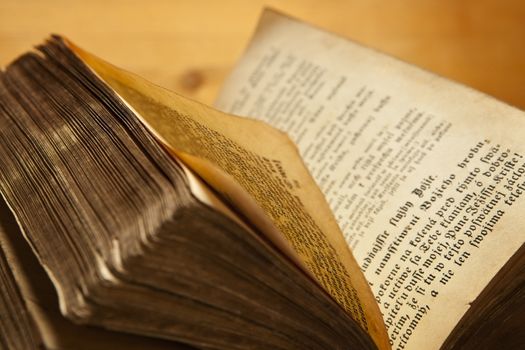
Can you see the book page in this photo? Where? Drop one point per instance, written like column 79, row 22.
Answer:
column 258, row 169
column 424, row 176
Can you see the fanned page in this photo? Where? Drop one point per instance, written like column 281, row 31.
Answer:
column 51, row 329
column 114, row 223
column 259, row 171
column 425, row 176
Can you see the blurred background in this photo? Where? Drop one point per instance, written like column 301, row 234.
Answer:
column 190, row 45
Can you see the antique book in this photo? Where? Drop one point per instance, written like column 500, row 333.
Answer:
column 133, row 218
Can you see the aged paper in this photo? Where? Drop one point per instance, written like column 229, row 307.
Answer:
column 259, row 170
column 424, row 176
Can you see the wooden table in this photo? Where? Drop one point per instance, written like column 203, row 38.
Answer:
column 190, row 46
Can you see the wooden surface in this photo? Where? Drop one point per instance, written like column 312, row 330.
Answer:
column 189, row 46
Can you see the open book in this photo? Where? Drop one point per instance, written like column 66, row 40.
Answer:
column 136, row 218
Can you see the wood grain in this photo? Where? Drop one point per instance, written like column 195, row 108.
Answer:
column 190, row 46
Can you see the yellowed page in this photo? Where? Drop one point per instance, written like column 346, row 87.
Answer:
column 259, row 170
column 424, row 176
